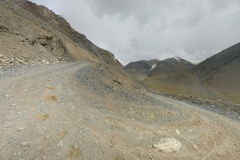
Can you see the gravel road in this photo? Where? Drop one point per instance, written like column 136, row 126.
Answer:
column 70, row 111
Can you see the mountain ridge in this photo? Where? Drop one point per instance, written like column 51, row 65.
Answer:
column 214, row 78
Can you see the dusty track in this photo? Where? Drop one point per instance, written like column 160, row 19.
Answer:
column 49, row 112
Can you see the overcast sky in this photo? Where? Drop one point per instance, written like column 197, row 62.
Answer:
column 147, row 29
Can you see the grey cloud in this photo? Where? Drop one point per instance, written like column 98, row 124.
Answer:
column 135, row 43
column 121, row 8
column 146, row 29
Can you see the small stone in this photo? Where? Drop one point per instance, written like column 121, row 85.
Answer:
column 168, row 145
column 7, row 126
column 75, row 146
column 43, row 42
column 60, row 143
column 219, row 154
column 24, row 144
column 20, row 129
column 151, row 158
column 177, row 131
column 190, row 129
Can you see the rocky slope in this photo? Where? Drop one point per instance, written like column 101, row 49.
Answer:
column 35, row 29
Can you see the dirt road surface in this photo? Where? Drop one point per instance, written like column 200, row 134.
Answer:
column 67, row 111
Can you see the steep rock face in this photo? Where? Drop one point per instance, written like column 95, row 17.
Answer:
column 57, row 29
column 23, row 42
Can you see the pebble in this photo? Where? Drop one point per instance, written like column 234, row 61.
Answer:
column 20, row 129
column 60, row 143
column 195, row 146
column 75, row 146
column 24, row 144
column 190, row 130
column 177, row 131
column 7, row 126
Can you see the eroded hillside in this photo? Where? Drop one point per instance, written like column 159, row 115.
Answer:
column 46, row 32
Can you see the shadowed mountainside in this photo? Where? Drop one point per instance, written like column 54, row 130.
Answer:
column 221, row 73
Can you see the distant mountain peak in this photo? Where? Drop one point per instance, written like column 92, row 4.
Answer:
column 176, row 60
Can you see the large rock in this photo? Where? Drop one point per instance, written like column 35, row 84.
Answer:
column 168, row 145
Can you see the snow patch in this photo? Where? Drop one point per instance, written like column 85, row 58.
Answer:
column 153, row 66
column 177, row 59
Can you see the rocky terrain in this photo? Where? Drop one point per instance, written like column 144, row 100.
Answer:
column 73, row 111
column 62, row 97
